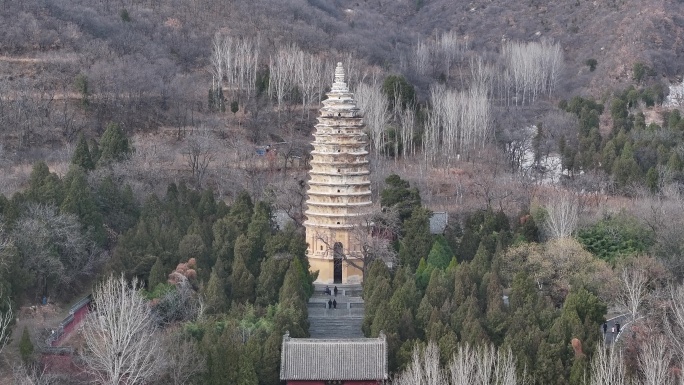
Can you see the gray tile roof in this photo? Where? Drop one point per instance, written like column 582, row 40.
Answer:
column 334, row 359
column 438, row 222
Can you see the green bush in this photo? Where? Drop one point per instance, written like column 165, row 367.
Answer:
column 616, row 236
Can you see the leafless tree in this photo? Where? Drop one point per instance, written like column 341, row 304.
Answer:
column 482, row 365
column 375, row 108
column 562, row 215
column 532, row 68
column 179, row 305
column 674, row 320
column 460, row 122
column 633, row 289
column 122, row 345
column 5, row 319
column 184, row 359
column 54, row 249
column 24, row 375
column 608, row 367
column 655, row 359
column 200, row 151
column 374, row 233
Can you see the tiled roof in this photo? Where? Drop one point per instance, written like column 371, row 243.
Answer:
column 438, row 222
column 334, row 359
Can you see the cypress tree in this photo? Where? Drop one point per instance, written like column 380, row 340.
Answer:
column 157, row 274
column 114, row 146
column 215, row 292
column 241, row 282
column 417, row 240
column 80, row 201
column 26, row 346
column 82, row 157
column 440, row 254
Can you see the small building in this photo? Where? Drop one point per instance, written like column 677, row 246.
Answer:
column 439, row 222
column 353, row 361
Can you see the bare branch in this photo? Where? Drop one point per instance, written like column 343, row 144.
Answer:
column 120, row 335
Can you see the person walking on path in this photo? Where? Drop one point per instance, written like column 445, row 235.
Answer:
column 617, row 327
column 605, row 328
column 334, row 304
column 330, row 304
column 335, row 290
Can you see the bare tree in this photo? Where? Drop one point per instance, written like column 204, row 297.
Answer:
column 562, row 215
column 608, row 367
column 5, row 319
column 633, row 289
column 184, row 359
column 199, row 153
column 374, row 233
column 483, row 365
column 122, row 345
column 674, row 321
column 655, row 359
column 532, row 68
column 24, row 375
column 54, row 249
column 375, row 107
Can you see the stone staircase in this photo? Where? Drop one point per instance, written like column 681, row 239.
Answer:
column 342, row 322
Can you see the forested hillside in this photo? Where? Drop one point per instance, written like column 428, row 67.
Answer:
column 152, row 152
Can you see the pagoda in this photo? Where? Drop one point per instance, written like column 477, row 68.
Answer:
column 339, row 194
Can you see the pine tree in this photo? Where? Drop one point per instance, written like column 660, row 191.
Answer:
column 82, row 156
column 158, row 274
column 114, row 146
column 80, row 201
column 26, row 346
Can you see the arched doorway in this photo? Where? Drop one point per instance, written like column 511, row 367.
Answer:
column 338, row 256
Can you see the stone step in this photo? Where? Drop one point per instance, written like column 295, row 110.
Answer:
column 343, row 322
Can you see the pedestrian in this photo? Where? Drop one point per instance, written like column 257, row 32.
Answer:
column 334, row 304
column 329, row 304
column 612, row 330
column 327, row 290
column 605, row 328
column 617, row 327
column 335, row 290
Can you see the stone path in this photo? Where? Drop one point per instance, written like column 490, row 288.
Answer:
column 342, row 322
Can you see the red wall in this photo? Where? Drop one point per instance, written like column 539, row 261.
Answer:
column 323, row 382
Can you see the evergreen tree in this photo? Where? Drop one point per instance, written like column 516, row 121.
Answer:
column 225, row 232
column 440, row 254
column 158, row 274
column 44, row 187
column 118, row 206
column 246, row 372
column 80, row 201
column 241, row 282
column 26, row 347
column 270, row 280
column 241, row 212
column 82, row 156
column 114, row 146
column 417, row 240
column 215, row 292
column 271, row 359
column 398, row 194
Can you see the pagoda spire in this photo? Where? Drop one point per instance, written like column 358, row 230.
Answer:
column 339, row 194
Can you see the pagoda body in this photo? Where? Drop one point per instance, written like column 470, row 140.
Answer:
column 339, row 194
